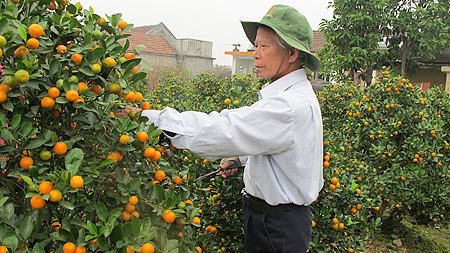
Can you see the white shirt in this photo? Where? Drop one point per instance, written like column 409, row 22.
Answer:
column 281, row 134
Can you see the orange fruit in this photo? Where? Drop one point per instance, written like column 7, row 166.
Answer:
column 138, row 97
column 114, row 88
column 157, row 156
column 227, row 101
column 160, row 175
column 61, row 49
column 72, row 95
column 110, row 62
column 122, row 24
column 3, row 96
column 130, row 208
column 145, row 105
column 126, row 216
column 60, row 148
column 142, row 136
column 334, row 180
column 32, row 43
column 128, row 56
column 47, row 102
column 35, row 30
column 69, row 247
column 134, row 70
column 149, row 152
column 133, row 200
column 26, row 162
column 97, row 89
column 56, row 226
column 102, row 19
column 52, row 6
column 147, row 248
column 135, row 213
column 96, row 68
column 45, row 187
column 115, row 155
column 37, row 202
column 4, row 88
column 80, row 249
column 189, row 202
column 76, row 58
column 55, row 195
column 20, row 52
column 82, row 86
column 94, row 47
column 129, row 97
column 130, row 249
column 196, row 220
column 335, row 220
column 177, row 180
column 53, row 92
column 168, row 216
column 76, row 182
column 22, row 76
column 198, row 249
column 124, row 139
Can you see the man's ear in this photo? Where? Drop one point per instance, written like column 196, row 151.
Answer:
column 293, row 54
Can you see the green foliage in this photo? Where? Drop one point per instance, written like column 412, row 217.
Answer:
column 407, row 27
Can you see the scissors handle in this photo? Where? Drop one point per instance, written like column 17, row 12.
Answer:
column 218, row 171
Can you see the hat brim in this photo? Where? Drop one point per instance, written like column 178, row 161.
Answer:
column 251, row 28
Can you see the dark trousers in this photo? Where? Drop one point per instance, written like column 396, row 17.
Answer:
column 282, row 231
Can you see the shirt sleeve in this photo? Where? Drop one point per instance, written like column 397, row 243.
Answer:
column 266, row 127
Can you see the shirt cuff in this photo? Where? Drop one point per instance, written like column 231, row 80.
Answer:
column 152, row 115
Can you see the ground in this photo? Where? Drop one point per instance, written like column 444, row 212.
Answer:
column 407, row 237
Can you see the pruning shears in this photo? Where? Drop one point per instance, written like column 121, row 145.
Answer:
column 219, row 171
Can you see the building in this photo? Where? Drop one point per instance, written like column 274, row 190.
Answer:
column 163, row 49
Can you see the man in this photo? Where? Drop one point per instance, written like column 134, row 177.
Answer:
column 279, row 138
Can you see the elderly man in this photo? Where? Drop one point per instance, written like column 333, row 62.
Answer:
column 278, row 139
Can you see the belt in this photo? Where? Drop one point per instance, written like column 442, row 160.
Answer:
column 262, row 206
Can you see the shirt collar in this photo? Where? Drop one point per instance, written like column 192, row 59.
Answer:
column 282, row 84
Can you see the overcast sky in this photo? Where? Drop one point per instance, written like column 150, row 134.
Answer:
column 210, row 20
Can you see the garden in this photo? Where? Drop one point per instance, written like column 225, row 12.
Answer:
column 76, row 178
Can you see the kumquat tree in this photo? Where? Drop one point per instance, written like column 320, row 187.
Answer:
column 76, row 178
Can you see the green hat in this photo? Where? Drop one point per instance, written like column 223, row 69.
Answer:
column 291, row 26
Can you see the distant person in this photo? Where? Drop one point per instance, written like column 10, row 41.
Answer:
column 279, row 139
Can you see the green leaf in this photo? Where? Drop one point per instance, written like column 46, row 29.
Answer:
column 136, row 225
column 55, row 69
column 354, row 186
column 102, row 211
column 146, row 65
column 116, row 235
column 16, row 121
column 10, row 241
column 26, row 228
column 127, row 230
column 3, row 200
column 3, row 25
column 106, row 162
column 23, row 33
column 92, row 228
column 135, row 184
column 38, row 248
column 8, row 106
column 74, row 159
column 36, row 142
column 66, row 204
column 6, row 134
column 139, row 48
column 114, row 214
column 28, row 180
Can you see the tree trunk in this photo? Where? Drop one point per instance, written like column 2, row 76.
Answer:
column 405, row 51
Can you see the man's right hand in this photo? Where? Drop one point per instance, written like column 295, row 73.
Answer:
column 225, row 164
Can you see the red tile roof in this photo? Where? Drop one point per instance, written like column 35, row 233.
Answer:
column 153, row 43
column 142, row 29
column 318, row 41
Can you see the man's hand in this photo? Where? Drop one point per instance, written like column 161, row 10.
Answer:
column 224, row 164
column 122, row 113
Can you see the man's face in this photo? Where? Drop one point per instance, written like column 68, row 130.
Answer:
column 268, row 54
